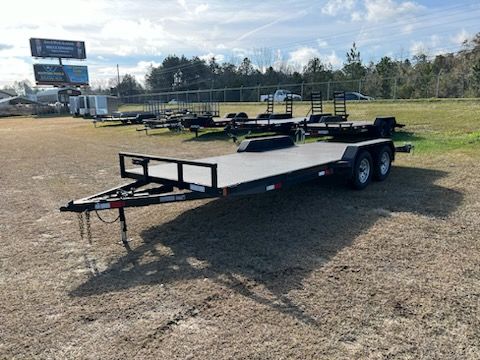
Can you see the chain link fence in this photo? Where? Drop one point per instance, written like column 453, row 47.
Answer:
column 431, row 86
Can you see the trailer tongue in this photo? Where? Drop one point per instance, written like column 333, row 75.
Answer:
column 260, row 165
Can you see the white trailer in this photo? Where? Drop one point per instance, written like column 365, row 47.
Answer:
column 102, row 105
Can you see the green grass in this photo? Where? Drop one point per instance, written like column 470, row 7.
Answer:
column 432, row 125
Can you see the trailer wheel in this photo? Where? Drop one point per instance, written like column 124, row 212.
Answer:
column 362, row 171
column 383, row 163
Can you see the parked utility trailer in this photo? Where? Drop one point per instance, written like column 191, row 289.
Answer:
column 259, row 165
column 125, row 117
column 103, row 105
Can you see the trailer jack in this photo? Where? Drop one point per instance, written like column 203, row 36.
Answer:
column 123, row 226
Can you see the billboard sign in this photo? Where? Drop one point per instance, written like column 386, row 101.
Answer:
column 52, row 74
column 49, row 48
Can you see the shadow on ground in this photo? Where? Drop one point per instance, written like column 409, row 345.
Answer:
column 275, row 239
column 107, row 125
column 212, row 134
column 406, row 136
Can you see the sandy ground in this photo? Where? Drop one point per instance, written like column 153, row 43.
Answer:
column 317, row 271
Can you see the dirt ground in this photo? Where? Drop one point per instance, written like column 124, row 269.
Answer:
column 314, row 272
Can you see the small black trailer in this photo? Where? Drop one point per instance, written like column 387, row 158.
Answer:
column 126, row 117
column 259, row 165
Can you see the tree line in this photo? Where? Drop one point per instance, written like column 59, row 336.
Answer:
column 445, row 75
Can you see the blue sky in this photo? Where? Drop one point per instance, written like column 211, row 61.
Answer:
column 140, row 33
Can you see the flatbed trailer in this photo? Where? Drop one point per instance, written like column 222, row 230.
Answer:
column 130, row 117
column 259, row 165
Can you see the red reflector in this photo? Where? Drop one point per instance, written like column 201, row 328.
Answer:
column 328, row 171
column 117, row 204
column 278, row 186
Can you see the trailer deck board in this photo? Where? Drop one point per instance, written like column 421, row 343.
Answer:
column 243, row 167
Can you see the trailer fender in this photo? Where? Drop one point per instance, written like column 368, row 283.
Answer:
column 348, row 159
column 385, row 125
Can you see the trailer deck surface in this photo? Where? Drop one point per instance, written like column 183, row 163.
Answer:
column 237, row 168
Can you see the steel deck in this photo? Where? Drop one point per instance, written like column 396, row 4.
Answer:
column 243, row 167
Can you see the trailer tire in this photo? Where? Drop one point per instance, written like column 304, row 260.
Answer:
column 362, row 170
column 383, row 163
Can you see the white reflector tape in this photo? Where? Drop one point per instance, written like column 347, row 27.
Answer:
column 197, row 188
column 323, row 132
column 270, row 187
column 101, row 206
column 321, row 173
column 171, row 198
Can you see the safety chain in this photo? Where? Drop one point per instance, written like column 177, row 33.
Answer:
column 88, row 227
column 84, row 225
column 81, row 225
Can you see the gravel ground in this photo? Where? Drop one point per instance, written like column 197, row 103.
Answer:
column 317, row 271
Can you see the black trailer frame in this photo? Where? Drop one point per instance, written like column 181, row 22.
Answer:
column 176, row 184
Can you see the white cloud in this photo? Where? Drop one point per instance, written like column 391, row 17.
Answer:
column 219, row 58
column 356, row 16
column 408, row 29
column 183, row 4
column 322, row 43
column 15, row 69
column 380, row 10
column 417, row 48
column 434, row 40
column 332, row 59
column 301, row 56
column 333, row 7
column 461, row 37
column 200, row 9
column 103, row 73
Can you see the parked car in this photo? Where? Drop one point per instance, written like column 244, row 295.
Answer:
column 353, row 95
column 280, row 95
